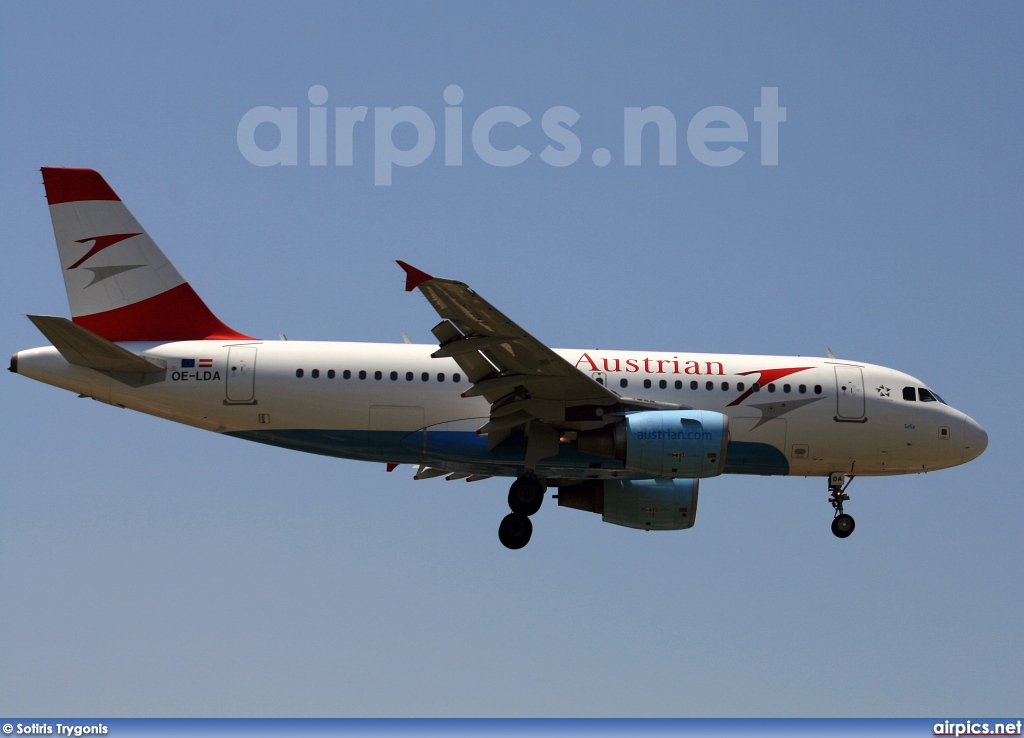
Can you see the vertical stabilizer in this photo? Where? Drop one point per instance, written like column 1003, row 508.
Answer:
column 119, row 283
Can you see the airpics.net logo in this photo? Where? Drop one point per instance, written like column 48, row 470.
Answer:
column 714, row 135
column 973, row 728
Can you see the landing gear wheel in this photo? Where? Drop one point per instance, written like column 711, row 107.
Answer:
column 526, row 495
column 515, row 531
column 843, row 525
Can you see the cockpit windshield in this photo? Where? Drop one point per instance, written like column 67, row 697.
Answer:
column 911, row 394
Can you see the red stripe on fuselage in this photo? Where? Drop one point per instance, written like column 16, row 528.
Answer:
column 73, row 185
column 767, row 376
column 178, row 314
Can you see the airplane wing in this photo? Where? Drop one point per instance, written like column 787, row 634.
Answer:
column 528, row 385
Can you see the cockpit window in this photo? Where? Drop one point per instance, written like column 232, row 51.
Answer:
column 909, row 394
column 925, row 395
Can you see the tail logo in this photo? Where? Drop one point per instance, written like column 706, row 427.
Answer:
column 101, row 242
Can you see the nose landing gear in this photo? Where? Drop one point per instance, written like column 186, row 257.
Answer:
column 524, row 499
column 842, row 524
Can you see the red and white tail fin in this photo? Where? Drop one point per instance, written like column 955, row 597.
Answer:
column 119, row 283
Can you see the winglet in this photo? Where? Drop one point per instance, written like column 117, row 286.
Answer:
column 413, row 276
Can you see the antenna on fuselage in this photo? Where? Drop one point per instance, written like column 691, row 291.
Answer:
column 830, row 354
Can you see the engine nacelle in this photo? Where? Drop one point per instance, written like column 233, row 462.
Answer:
column 664, row 443
column 646, row 504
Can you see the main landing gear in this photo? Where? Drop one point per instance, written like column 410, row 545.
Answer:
column 524, row 499
column 842, row 524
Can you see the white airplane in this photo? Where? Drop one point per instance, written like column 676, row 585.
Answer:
column 625, row 434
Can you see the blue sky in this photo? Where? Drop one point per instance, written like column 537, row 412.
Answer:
column 153, row 569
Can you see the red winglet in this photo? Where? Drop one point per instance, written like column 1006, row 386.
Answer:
column 413, row 276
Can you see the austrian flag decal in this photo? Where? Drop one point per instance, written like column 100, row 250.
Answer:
column 191, row 363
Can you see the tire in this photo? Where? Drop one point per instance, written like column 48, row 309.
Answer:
column 843, row 525
column 525, row 496
column 515, row 531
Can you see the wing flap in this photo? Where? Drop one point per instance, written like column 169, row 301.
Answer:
column 472, row 363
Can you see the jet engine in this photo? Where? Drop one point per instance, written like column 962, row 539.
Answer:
column 664, row 443
column 647, row 504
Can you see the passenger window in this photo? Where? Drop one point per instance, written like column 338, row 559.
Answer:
column 693, row 384
column 456, row 377
column 362, row 374
column 623, row 382
column 330, row 374
column 663, row 384
column 394, row 376
column 817, row 389
column 378, row 375
column 425, row 377
column 408, row 376
column 803, row 389
column 647, row 384
column 440, row 376
column 725, row 386
column 771, row 387
column 346, row 374
column 299, row 373
column 740, row 386
column 925, row 395
column 909, row 394
column 756, row 387
column 709, row 385
column 679, row 384
column 315, row 374
column 786, row 388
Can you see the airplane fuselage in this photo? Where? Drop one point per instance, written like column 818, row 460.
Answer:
column 393, row 403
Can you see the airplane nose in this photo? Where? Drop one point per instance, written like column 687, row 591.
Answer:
column 975, row 440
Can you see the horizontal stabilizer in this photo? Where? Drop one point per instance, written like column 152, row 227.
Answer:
column 82, row 347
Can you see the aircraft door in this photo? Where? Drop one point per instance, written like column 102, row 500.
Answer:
column 241, row 376
column 850, row 394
